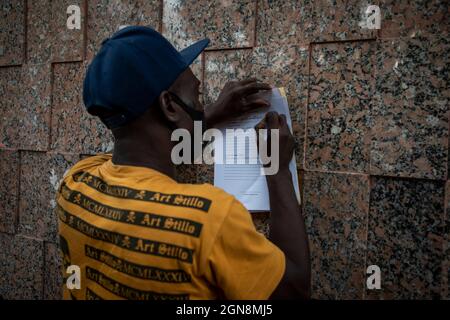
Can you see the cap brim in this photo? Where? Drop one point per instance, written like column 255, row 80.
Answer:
column 190, row 53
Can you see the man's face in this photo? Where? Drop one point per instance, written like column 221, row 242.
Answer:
column 187, row 88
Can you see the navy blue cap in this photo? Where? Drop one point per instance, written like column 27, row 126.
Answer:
column 131, row 70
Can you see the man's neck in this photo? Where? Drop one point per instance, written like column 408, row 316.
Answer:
column 132, row 153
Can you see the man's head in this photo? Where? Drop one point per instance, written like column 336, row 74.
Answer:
column 138, row 82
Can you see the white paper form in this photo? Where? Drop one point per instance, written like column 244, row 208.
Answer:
column 245, row 180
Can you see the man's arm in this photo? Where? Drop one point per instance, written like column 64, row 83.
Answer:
column 287, row 226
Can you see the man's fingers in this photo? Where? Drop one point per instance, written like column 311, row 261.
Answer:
column 261, row 124
column 252, row 88
column 247, row 81
column 272, row 120
column 283, row 122
column 255, row 102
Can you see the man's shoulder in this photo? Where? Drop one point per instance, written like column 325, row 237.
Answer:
column 88, row 163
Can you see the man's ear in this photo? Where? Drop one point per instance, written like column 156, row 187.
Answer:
column 169, row 108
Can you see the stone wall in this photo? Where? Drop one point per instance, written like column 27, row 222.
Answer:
column 370, row 112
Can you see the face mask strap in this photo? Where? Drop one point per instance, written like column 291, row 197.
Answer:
column 196, row 115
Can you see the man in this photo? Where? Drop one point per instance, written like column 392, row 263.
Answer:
column 136, row 233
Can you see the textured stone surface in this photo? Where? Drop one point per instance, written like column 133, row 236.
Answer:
column 187, row 173
column 25, row 108
column 39, row 32
column 338, row 20
column 224, row 66
column 21, row 267
column 40, row 174
column 67, row 44
column 405, row 237
column 6, row 265
column 406, row 18
column 282, row 22
column 338, row 124
column 12, row 32
column 73, row 128
column 9, row 189
column 9, row 104
column 106, row 16
column 410, row 110
column 445, row 291
column 53, row 281
column 228, row 24
column 261, row 221
column 336, row 208
column 205, row 173
column 35, row 103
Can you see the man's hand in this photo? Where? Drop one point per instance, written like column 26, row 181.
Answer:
column 236, row 98
column 286, row 142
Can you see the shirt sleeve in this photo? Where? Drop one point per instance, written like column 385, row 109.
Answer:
column 244, row 264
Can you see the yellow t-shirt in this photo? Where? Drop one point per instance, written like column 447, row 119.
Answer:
column 136, row 233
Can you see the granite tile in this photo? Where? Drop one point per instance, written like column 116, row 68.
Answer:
column 106, row 16
column 25, row 110
column 286, row 66
column 12, row 32
column 10, row 84
column 337, row 20
column 282, row 22
column 222, row 67
column 73, row 128
column 205, row 173
column 404, row 18
column 445, row 291
column 228, row 24
column 40, row 174
column 261, row 220
column 34, row 116
column 340, row 96
column 9, row 189
column 21, row 267
column 39, row 31
column 187, row 173
column 53, row 280
column 27, row 279
column 6, row 265
column 67, row 44
column 405, row 237
column 336, row 208
column 410, row 110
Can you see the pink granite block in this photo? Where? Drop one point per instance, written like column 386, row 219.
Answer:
column 341, row 89
column 228, row 24
column 9, row 190
column 67, row 44
column 73, row 128
column 105, row 17
column 40, row 175
column 336, row 208
column 12, row 32
column 406, row 237
column 39, row 31
column 21, row 267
